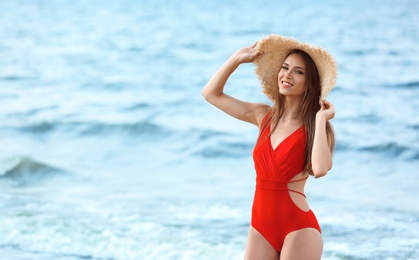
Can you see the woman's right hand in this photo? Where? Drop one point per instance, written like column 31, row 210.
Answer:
column 247, row 54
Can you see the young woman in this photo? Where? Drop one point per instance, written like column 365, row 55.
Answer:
column 295, row 140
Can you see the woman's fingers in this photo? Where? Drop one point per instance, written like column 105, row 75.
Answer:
column 248, row 54
column 324, row 104
column 257, row 53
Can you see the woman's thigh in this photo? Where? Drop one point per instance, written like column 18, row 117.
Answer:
column 304, row 244
column 258, row 247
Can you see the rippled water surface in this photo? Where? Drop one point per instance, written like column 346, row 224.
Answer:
column 110, row 152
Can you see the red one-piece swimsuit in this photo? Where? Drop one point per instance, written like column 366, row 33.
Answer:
column 274, row 214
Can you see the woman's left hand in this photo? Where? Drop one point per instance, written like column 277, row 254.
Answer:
column 327, row 110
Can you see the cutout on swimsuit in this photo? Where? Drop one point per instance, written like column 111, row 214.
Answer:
column 292, row 181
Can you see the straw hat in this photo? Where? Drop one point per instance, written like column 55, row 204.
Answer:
column 276, row 48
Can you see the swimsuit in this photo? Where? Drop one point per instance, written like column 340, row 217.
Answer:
column 274, row 214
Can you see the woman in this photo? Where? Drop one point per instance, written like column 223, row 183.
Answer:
column 296, row 140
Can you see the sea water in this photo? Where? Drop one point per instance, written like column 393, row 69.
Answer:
column 108, row 150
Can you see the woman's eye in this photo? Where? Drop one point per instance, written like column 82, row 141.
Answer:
column 284, row 67
column 299, row 72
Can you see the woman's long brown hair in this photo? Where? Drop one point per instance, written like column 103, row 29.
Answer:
column 309, row 107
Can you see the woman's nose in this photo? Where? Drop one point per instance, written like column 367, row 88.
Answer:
column 287, row 74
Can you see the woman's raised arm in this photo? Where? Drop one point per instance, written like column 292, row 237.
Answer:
column 213, row 91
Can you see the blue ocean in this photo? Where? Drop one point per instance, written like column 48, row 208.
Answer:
column 109, row 151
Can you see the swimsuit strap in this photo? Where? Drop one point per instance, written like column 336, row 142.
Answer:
column 298, row 192
column 299, row 179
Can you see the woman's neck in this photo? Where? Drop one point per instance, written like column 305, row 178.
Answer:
column 292, row 109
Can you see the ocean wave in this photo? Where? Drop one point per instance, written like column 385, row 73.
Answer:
column 413, row 155
column 414, row 126
column 94, row 128
column 408, row 85
column 226, row 149
column 341, row 146
column 16, row 78
column 360, row 52
column 203, row 135
column 39, row 127
column 25, row 170
column 137, row 128
column 139, row 106
column 370, row 118
column 392, row 149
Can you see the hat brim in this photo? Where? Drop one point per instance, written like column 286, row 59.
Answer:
column 276, row 48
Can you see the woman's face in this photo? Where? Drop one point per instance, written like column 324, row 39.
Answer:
column 292, row 76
